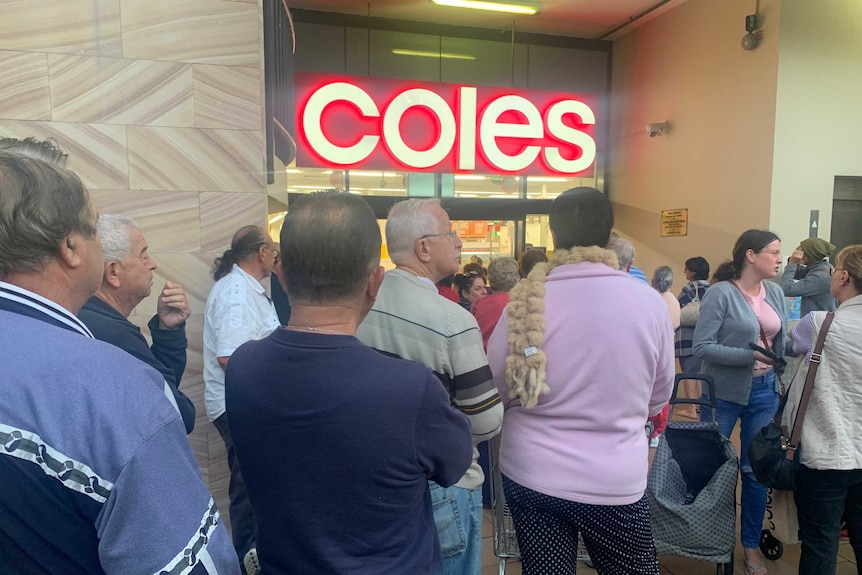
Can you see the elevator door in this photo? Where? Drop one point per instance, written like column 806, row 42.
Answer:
column 846, row 212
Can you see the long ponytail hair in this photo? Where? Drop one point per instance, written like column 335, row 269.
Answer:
column 246, row 241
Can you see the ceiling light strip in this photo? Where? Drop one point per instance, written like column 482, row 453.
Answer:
column 426, row 54
column 490, row 6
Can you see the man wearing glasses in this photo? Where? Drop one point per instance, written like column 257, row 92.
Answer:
column 237, row 310
column 411, row 321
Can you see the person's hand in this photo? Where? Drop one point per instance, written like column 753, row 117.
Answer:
column 173, row 308
column 763, row 358
column 796, row 256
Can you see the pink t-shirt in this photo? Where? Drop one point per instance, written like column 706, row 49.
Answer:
column 769, row 321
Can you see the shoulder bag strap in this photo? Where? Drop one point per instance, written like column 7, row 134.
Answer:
column 762, row 335
column 816, row 356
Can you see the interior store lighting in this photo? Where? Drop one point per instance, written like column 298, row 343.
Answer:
column 373, row 174
column 292, row 171
column 490, row 6
column 275, row 218
column 545, row 179
column 428, row 54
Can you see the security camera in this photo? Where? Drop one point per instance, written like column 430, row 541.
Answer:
column 657, row 129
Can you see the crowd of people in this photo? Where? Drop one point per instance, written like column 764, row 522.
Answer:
column 353, row 415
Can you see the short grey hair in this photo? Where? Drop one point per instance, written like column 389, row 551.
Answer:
column 662, row 278
column 408, row 221
column 624, row 249
column 115, row 231
column 40, row 204
column 503, row 274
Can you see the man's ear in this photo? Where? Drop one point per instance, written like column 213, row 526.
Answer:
column 111, row 274
column 422, row 251
column 69, row 250
column 375, row 280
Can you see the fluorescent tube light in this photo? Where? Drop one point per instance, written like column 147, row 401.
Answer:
column 373, row 174
column 544, row 179
column 491, row 6
column 428, row 54
column 275, row 218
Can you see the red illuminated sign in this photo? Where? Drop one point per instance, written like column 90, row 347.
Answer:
column 373, row 123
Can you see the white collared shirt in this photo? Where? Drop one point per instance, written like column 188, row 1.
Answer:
column 238, row 310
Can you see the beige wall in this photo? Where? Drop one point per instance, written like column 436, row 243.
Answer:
column 687, row 67
column 159, row 104
column 818, row 127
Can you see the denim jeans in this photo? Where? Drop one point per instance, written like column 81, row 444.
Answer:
column 823, row 497
column 762, row 404
column 458, row 515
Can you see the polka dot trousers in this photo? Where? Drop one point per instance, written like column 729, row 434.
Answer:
column 618, row 538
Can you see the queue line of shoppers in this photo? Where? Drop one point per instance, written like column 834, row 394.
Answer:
column 310, row 399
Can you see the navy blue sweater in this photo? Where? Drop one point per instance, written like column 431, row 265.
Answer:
column 167, row 354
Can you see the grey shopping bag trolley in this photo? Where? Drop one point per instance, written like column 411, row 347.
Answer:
column 691, row 487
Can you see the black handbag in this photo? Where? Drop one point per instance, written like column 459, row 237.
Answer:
column 773, row 458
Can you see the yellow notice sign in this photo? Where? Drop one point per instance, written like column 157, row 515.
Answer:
column 674, row 223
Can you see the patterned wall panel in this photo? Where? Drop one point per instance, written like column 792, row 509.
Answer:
column 227, row 97
column 170, row 220
column 223, row 214
column 159, row 105
column 24, row 93
column 64, row 26
column 121, row 91
column 195, row 160
column 202, row 31
column 97, row 152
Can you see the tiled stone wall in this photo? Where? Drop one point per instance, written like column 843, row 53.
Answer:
column 159, row 104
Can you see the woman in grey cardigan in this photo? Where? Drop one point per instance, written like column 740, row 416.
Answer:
column 739, row 309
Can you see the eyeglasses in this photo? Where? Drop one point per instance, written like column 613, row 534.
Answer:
column 452, row 235
column 833, row 269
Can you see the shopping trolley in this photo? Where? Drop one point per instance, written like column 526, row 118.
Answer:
column 505, row 538
column 691, row 487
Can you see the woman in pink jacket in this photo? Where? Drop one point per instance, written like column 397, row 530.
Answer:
column 582, row 357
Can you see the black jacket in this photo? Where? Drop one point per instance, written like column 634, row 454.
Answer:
column 167, row 354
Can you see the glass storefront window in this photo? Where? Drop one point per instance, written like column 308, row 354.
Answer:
column 542, row 188
column 363, row 182
column 538, row 232
column 488, row 186
column 487, row 239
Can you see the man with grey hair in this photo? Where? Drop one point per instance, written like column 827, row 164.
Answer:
column 411, row 321
column 126, row 280
column 625, row 251
column 46, row 150
column 97, row 472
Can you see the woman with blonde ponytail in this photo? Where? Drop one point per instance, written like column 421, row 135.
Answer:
column 582, row 357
